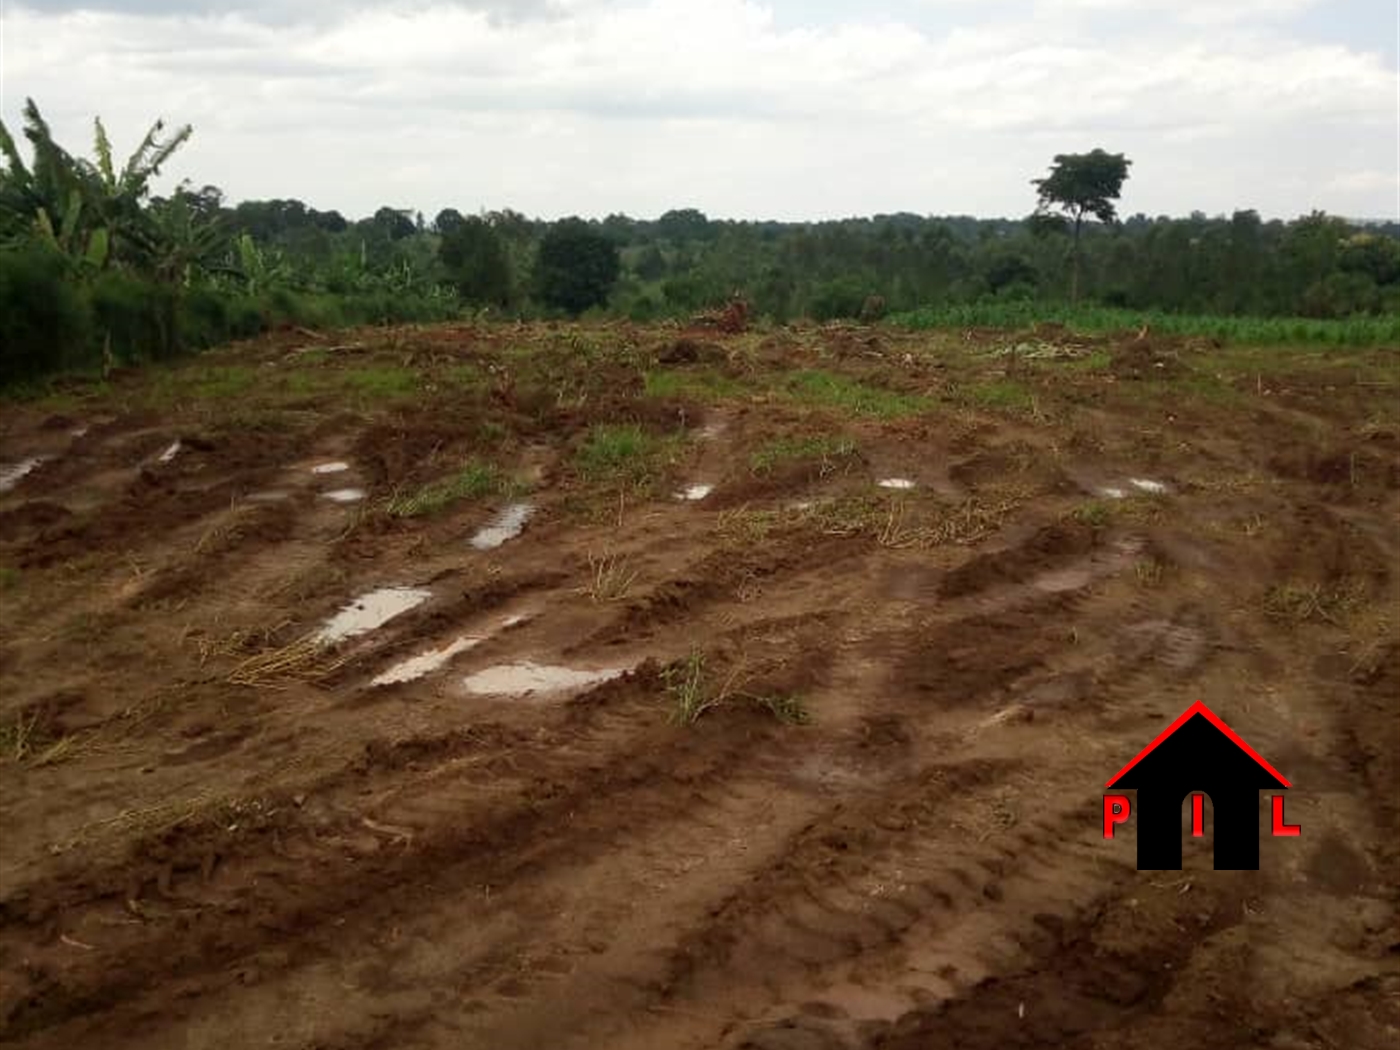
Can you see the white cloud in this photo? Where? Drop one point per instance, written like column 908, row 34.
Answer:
column 556, row 106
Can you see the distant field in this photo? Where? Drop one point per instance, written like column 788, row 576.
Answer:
column 1267, row 331
column 627, row 687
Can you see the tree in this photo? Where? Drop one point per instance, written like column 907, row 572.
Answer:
column 472, row 253
column 576, row 266
column 447, row 220
column 1082, row 184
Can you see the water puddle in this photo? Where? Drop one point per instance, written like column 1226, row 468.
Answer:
column 1147, row 485
column 1111, row 492
column 896, row 483
column 11, row 474
column 424, row 664
column 506, row 525
column 527, row 679
column 330, row 468
column 270, row 496
column 344, row 495
column 371, row 611
column 710, row 431
column 79, row 432
column 170, row 453
column 694, row 493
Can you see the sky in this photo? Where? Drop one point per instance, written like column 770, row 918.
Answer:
column 782, row 109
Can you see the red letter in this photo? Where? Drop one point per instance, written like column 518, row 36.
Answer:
column 1115, row 811
column 1198, row 815
column 1280, row 828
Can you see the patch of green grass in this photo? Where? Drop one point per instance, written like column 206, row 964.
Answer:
column 9, row 577
column 1001, row 393
column 218, row 383
column 464, row 377
column 1094, row 361
column 618, row 451
column 1381, row 330
column 702, row 385
column 691, row 691
column 472, row 482
column 382, row 383
column 828, row 390
column 687, row 690
column 830, row 450
column 1097, row 513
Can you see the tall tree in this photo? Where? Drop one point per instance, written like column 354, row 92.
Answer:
column 577, row 266
column 472, row 252
column 1081, row 184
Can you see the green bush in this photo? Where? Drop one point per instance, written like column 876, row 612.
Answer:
column 137, row 319
column 43, row 320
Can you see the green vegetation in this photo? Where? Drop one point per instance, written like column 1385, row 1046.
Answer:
column 1080, row 184
column 1004, row 393
column 474, row 481
column 692, row 690
column 97, row 272
column 382, row 383
column 828, row 390
column 619, row 452
column 829, row 450
column 1260, row 331
column 701, row 384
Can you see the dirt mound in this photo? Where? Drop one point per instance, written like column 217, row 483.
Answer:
column 1148, row 357
column 1049, row 546
column 19, row 523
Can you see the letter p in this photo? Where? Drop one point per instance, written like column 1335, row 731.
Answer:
column 1116, row 810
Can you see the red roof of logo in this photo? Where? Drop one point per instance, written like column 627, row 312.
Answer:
column 1199, row 708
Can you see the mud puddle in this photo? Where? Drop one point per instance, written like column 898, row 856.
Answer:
column 11, row 474
column 425, row 663
column 371, row 611
column 531, row 679
column 337, row 467
column 506, row 525
column 344, row 495
column 694, row 493
column 901, row 484
column 171, row 451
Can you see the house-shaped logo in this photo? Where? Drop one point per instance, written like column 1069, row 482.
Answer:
column 1197, row 755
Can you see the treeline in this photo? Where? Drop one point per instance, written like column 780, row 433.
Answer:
column 95, row 268
column 1315, row 266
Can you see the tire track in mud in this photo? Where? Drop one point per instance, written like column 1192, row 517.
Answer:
column 557, row 780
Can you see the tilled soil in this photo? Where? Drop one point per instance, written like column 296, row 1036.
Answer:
column 884, row 827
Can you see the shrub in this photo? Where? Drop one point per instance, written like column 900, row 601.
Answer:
column 136, row 318
column 43, row 320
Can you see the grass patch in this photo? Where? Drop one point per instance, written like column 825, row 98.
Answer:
column 610, row 578
column 828, row 390
column 619, row 452
column 702, row 385
column 472, row 482
column 9, row 577
column 1261, row 331
column 1097, row 513
column 829, row 450
column 1296, row 603
column 1002, row 393
column 692, row 690
column 383, row 383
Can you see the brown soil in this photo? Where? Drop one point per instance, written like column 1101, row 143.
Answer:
column 217, row 836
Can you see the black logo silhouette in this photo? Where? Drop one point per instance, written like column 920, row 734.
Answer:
column 1197, row 753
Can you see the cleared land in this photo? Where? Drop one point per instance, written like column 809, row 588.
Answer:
column 806, row 761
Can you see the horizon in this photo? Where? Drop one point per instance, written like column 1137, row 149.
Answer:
column 760, row 112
